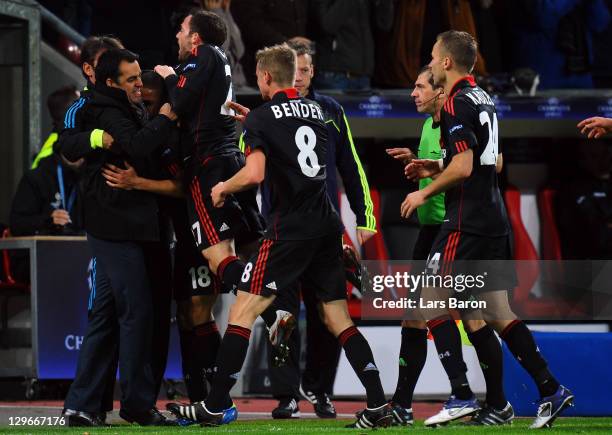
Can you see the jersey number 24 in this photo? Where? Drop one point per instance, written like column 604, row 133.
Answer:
column 489, row 155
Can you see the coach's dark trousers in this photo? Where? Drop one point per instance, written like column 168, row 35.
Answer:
column 120, row 321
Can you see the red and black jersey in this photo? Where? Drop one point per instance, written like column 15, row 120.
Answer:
column 469, row 121
column 292, row 133
column 198, row 95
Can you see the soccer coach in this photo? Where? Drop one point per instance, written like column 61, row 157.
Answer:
column 119, row 225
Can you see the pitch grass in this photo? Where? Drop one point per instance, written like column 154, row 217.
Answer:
column 314, row 426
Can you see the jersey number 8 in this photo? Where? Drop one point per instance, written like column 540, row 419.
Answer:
column 306, row 140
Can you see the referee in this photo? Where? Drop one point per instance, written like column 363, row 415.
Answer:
column 428, row 99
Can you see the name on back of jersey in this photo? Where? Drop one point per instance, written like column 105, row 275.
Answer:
column 478, row 96
column 297, row 109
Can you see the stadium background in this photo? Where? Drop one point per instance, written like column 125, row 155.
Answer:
column 539, row 140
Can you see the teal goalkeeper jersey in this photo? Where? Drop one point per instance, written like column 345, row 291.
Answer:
column 432, row 212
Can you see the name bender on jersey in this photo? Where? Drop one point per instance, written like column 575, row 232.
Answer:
column 297, row 109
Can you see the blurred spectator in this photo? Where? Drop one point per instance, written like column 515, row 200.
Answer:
column 268, row 22
column 142, row 25
column 47, row 199
column 76, row 13
column 57, row 103
column 233, row 47
column 345, row 44
column 584, row 205
column 402, row 50
column 555, row 38
column 602, row 61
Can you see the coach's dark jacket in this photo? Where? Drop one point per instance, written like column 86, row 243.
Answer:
column 117, row 214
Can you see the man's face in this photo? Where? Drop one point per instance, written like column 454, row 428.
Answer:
column 425, row 96
column 184, row 38
column 129, row 81
column 151, row 98
column 437, row 64
column 263, row 82
column 305, row 72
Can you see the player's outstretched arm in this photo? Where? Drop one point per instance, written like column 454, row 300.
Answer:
column 241, row 111
column 423, row 168
column 249, row 176
column 404, row 155
column 595, row 127
column 459, row 169
column 128, row 179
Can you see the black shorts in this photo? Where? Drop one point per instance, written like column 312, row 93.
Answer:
column 457, row 253
column 192, row 276
column 238, row 219
column 425, row 239
column 281, row 265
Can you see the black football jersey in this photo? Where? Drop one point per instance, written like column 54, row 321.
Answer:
column 198, row 95
column 292, row 133
column 469, row 121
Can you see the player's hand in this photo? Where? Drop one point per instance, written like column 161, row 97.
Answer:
column 107, row 141
column 421, row 168
column 60, row 217
column 404, row 155
column 218, row 195
column 595, row 127
column 126, row 179
column 241, row 111
column 364, row 235
column 164, row 70
column 166, row 110
column 413, row 201
column 212, row 4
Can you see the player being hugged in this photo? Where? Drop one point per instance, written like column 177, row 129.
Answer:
column 286, row 142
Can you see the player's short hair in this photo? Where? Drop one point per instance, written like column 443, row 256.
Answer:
column 152, row 80
column 108, row 64
column 209, row 26
column 462, row 48
column 94, row 44
column 301, row 49
column 427, row 69
column 280, row 61
column 59, row 101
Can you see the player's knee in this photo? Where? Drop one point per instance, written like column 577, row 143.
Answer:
column 415, row 324
column 336, row 324
column 473, row 325
column 200, row 314
column 217, row 253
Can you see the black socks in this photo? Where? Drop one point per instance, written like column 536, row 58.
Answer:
column 489, row 354
column 413, row 353
column 448, row 344
column 360, row 356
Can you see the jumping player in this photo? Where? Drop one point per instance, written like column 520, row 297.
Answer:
column 286, row 142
